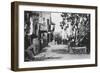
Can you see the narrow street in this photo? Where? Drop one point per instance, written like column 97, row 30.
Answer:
column 58, row 52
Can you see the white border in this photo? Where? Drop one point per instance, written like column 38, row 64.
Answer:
column 23, row 64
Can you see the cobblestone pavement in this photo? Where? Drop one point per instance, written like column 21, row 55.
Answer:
column 58, row 52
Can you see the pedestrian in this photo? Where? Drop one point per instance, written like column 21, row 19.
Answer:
column 33, row 49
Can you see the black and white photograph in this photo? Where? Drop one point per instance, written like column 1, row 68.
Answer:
column 56, row 36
